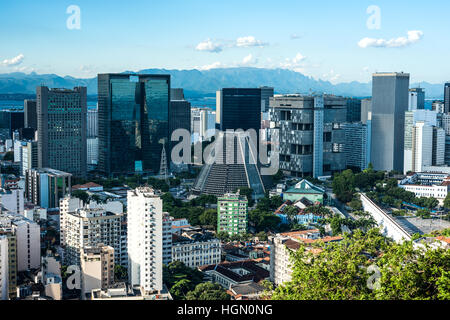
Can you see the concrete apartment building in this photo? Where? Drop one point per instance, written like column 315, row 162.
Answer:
column 196, row 249
column 145, row 240
column 389, row 104
column 310, row 134
column 88, row 227
column 12, row 200
column 97, row 268
column 28, row 240
column 282, row 244
column 9, row 235
column 4, row 265
column 232, row 210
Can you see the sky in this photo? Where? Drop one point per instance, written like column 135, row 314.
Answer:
column 338, row 41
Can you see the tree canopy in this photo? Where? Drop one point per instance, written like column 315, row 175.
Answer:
column 367, row 266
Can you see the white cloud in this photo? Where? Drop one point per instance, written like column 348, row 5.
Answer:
column 400, row 42
column 249, row 60
column 249, row 41
column 214, row 65
column 295, row 63
column 13, row 61
column 209, row 46
column 332, row 76
column 295, row 36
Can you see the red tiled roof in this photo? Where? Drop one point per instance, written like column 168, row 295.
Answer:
column 85, row 186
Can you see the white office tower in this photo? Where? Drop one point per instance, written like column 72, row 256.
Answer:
column 430, row 120
column 145, row 240
column 422, row 148
column 4, row 273
column 416, row 99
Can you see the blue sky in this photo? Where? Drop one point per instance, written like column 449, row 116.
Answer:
column 323, row 39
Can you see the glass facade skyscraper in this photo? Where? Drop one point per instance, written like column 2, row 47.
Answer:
column 133, row 122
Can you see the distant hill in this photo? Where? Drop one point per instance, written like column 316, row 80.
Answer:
column 201, row 83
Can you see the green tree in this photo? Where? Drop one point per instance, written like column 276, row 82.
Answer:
column 341, row 271
column 82, row 195
column 208, row 218
column 208, row 291
column 9, row 156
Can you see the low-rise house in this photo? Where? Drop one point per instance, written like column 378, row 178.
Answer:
column 304, row 189
column 196, row 249
column 229, row 274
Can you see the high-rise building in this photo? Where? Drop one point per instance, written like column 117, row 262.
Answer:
column 413, row 136
column 45, row 187
column 232, row 210
column 366, row 109
column 92, row 123
column 167, row 238
column 29, row 152
column 89, row 225
column 133, row 122
column 61, row 117
column 240, row 108
column 97, row 268
column 353, row 110
column 8, row 233
column 356, row 145
column 145, row 240
column 416, row 99
column 439, row 140
column 4, row 265
column 438, row 106
column 447, row 97
column 309, row 133
column 12, row 200
column 203, row 124
column 422, row 152
column 28, row 240
column 389, row 104
column 180, row 117
column 10, row 121
column 30, row 114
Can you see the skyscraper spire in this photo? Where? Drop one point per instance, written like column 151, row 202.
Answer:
column 163, row 172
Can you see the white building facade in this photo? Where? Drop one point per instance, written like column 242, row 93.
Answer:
column 145, row 240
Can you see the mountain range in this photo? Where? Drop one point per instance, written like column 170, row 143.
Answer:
column 200, row 83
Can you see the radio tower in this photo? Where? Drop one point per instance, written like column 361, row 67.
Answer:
column 163, row 172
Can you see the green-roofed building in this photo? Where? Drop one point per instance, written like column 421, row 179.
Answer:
column 304, row 189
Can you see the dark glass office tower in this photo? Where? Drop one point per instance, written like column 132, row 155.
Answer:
column 353, row 110
column 30, row 114
column 240, row 108
column 447, row 98
column 133, row 122
column 61, row 124
column 10, row 121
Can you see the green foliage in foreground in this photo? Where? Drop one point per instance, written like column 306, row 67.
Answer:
column 340, row 271
column 208, row 291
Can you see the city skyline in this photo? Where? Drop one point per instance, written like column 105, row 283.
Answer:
column 364, row 37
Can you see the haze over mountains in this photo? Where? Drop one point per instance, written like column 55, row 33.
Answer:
column 201, row 83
